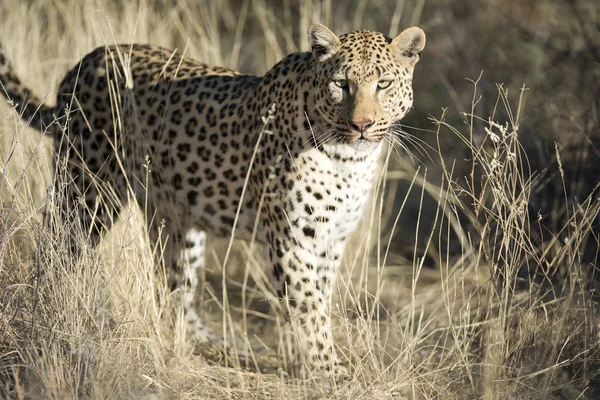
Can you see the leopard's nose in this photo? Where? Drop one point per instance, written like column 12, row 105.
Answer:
column 361, row 125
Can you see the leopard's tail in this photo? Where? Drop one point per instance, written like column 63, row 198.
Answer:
column 30, row 108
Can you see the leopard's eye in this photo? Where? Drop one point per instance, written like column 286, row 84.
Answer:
column 384, row 84
column 341, row 83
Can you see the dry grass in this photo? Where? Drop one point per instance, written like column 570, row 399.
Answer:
column 493, row 306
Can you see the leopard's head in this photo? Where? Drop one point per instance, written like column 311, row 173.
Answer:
column 363, row 82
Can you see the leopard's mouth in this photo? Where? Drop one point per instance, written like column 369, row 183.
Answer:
column 353, row 137
column 362, row 142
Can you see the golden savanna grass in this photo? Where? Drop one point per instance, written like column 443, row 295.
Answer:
column 489, row 304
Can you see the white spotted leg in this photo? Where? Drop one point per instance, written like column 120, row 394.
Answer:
column 190, row 262
column 304, row 282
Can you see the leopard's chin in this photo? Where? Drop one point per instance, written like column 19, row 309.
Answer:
column 361, row 141
column 363, row 145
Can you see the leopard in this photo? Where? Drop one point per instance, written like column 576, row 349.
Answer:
column 288, row 159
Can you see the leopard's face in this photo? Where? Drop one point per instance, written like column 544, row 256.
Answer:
column 364, row 82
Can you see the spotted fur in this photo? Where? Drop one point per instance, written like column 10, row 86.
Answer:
column 182, row 135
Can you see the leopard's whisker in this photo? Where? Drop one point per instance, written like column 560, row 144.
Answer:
column 417, row 143
column 405, row 148
column 397, row 130
column 402, row 125
column 414, row 143
column 390, row 141
column 318, row 135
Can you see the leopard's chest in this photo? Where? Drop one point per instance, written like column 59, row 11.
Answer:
column 328, row 196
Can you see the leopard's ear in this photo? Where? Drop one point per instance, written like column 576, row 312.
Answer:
column 409, row 44
column 324, row 43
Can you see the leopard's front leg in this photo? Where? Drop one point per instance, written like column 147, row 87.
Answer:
column 303, row 277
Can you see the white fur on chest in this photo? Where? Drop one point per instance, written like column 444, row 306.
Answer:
column 330, row 193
